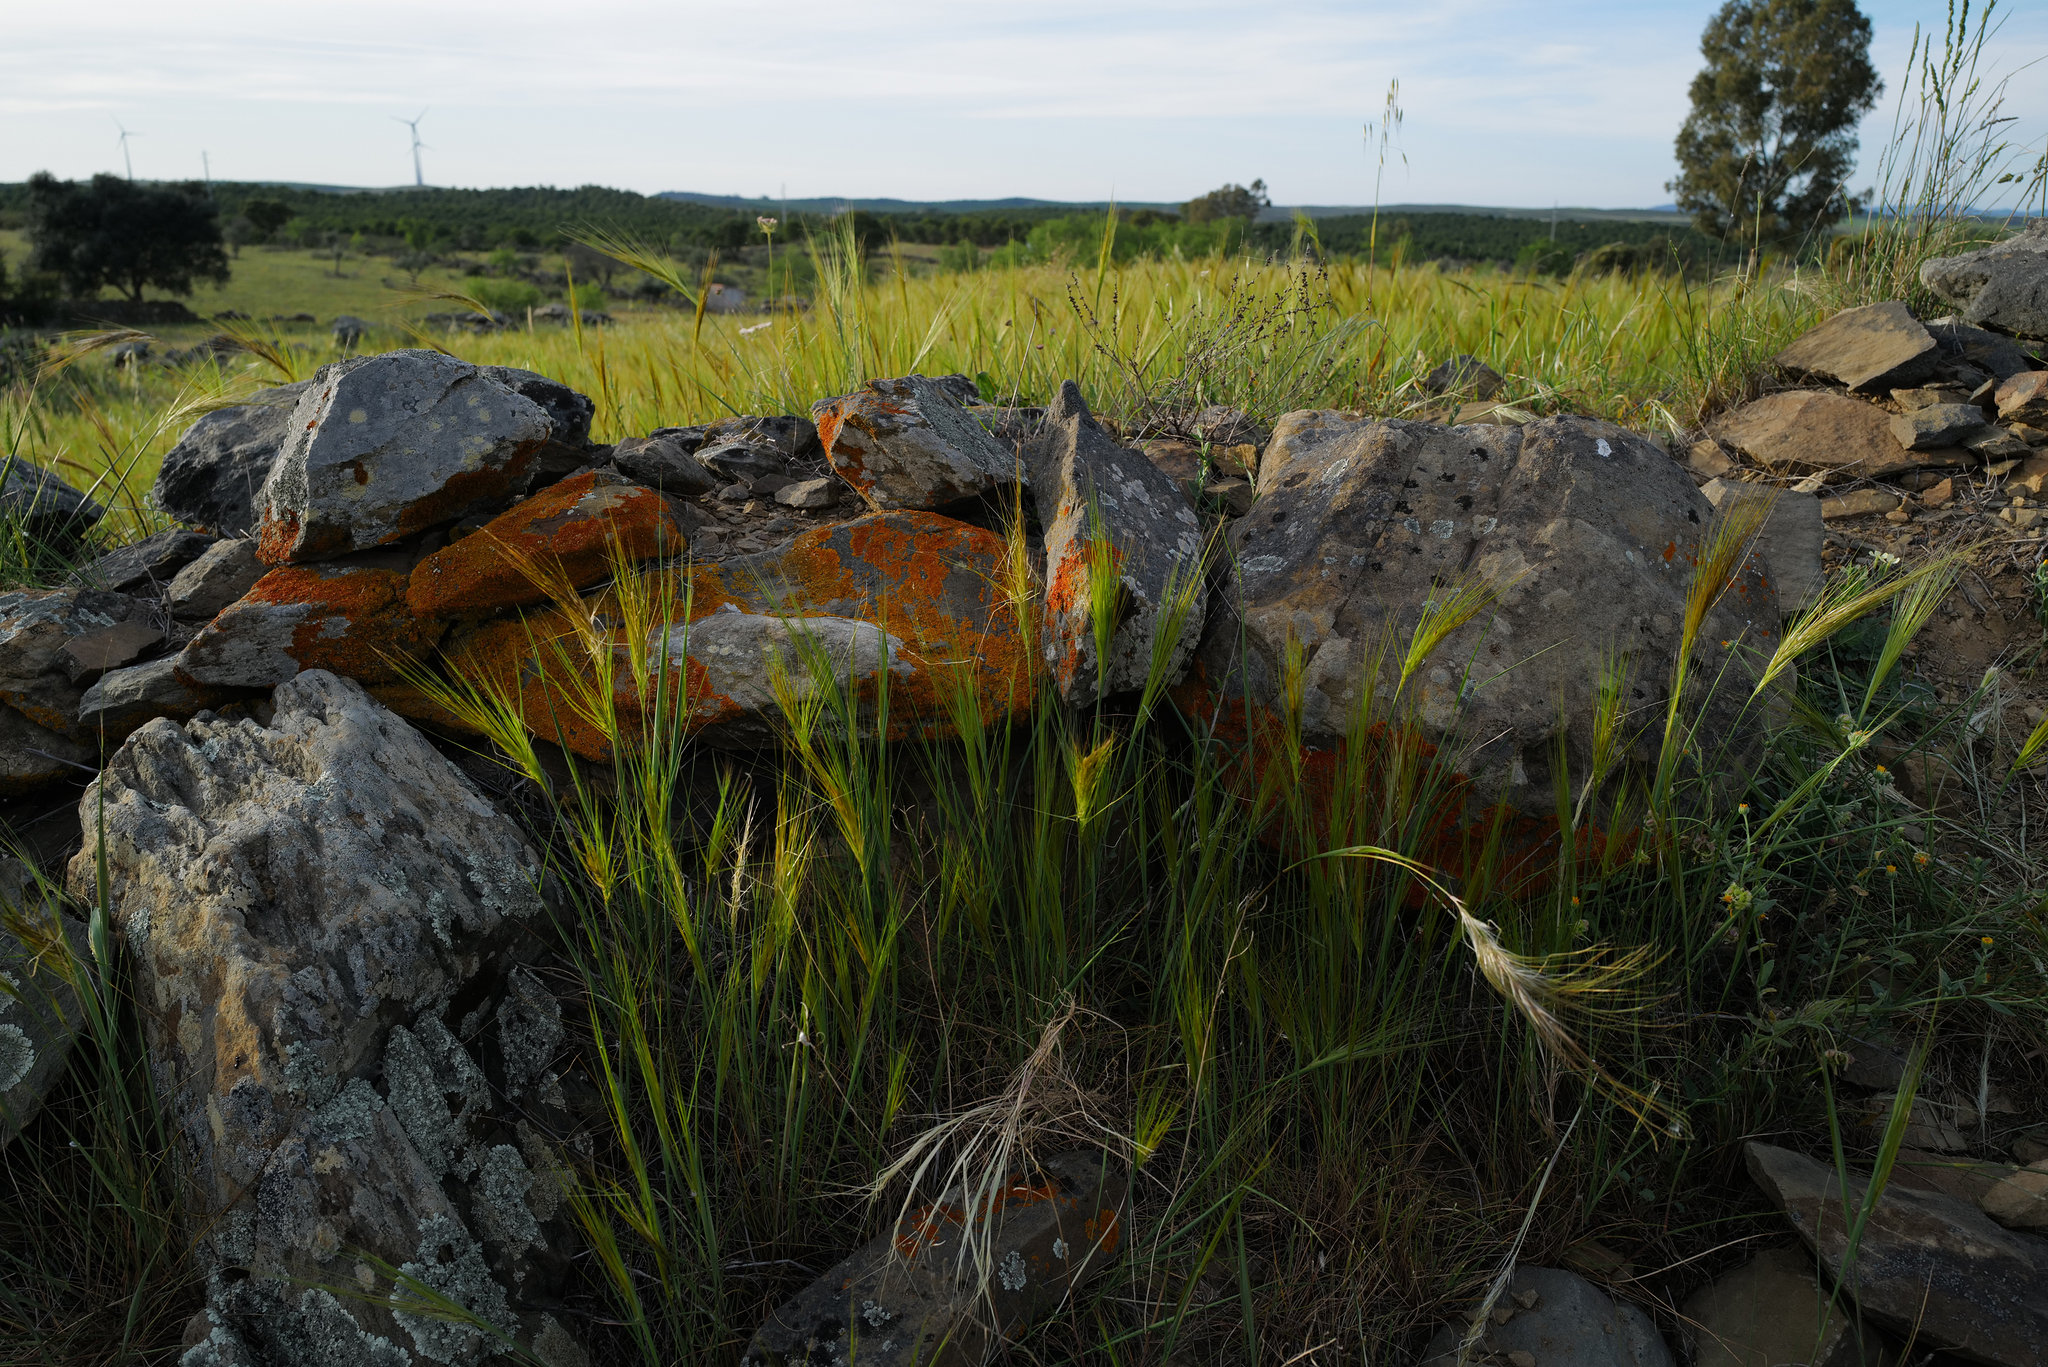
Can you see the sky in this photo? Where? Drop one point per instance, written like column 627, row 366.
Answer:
column 1527, row 104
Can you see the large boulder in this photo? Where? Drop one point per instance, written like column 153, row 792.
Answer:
column 1586, row 532
column 1818, row 430
column 38, row 1010
column 915, row 603
column 1093, row 492
column 911, row 1298
column 212, row 477
column 390, row 445
column 42, row 674
column 911, row 443
column 1871, row 348
column 1926, row 1264
column 328, row 924
column 2004, row 286
column 41, row 505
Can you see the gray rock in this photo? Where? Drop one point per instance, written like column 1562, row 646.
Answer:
column 392, row 445
column 43, row 506
column 570, row 412
column 1872, row 348
column 87, row 656
column 302, row 900
column 911, row 1297
column 1994, row 353
column 33, row 756
column 911, row 443
column 36, row 678
column 664, row 462
column 1772, row 1310
column 145, row 567
column 1790, row 542
column 1467, row 375
column 1818, row 430
column 1222, row 426
column 2004, row 286
column 750, row 447
column 1938, row 425
column 1568, row 1322
column 124, row 699
column 1583, row 528
column 1927, row 1264
column 809, row 493
column 219, row 576
column 38, row 1010
column 348, row 330
column 212, row 477
column 1086, row 487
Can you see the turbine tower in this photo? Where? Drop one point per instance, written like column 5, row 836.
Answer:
column 126, row 160
column 418, row 177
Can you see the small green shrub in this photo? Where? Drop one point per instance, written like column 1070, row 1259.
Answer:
column 506, row 296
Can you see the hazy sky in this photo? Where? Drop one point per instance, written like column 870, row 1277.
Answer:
column 1507, row 103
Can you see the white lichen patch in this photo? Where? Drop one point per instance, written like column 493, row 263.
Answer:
column 1011, row 1273
column 17, row 1055
column 459, row 1278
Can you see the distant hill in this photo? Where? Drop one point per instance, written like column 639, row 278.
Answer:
column 1279, row 213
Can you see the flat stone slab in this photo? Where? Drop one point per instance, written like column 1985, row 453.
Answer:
column 37, row 676
column 1819, row 430
column 146, row 567
column 1872, row 348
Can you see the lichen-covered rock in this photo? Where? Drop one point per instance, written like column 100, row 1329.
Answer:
column 916, row 1296
column 327, row 923
column 351, row 619
column 1819, row 430
column 212, row 477
column 912, row 602
column 568, row 447
column 33, row 756
column 38, row 1010
column 2003, row 286
column 570, row 533
column 1871, row 348
column 386, row 446
column 910, row 443
column 145, row 567
column 218, row 576
column 37, row 676
column 1587, row 534
column 1105, row 506
column 41, row 505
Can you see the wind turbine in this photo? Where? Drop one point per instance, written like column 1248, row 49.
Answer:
column 126, row 160
column 418, row 177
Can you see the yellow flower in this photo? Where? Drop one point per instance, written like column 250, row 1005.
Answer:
column 1891, row 868
column 1882, row 770
column 1742, row 807
column 1984, row 940
column 1923, row 858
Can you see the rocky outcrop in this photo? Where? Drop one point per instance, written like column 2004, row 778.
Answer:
column 1926, row 1264
column 916, row 1296
column 327, row 924
column 1870, row 349
column 1555, row 1318
column 41, row 505
column 2003, row 286
column 1586, row 534
column 911, row 443
column 212, row 477
column 1108, row 511
column 387, row 446
column 38, row 1010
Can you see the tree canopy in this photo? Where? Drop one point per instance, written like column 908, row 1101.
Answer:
column 1230, row 201
column 111, row 231
column 1771, row 140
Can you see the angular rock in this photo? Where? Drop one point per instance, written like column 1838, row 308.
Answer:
column 1858, row 503
column 1234, row 496
column 33, row 756
column 314, row 908
column 567, row 534
column 1772, row 1310
column 390, row 445
column 2003, row 286
column 1585, row 531
column 217, row 577
column 1790, row 542
column 1223, row 427
column 1466, row 375
column 914, row 599
column 349, row 619
column 1996, row 444
column 746, row 448
column 2024, row 398
column 1179, row 461
column 809, row 493
column 38, row 1010
column 1938, row 425
column 2031, row 477
column 1994, row 353
column 1965, row 1179
column 145, row 568
column 2019, row 1200
column 1817, row 429
column 1927, row 1264
column 1872, row 348
column 569, row 412
column 85, row 657
column 1709, row 458
column 35, row 628
column 212, row 477
column 910, row 1297
column 663, row 461
column 124, row 699
column 910, row 443
column 44, row 507
column 1088, row 489
column 1568, row 1322
column 1912, row 400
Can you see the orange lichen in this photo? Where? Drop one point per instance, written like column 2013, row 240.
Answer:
column 356, row 622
